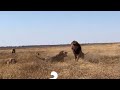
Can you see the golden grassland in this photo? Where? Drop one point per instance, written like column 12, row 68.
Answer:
column 102, row 62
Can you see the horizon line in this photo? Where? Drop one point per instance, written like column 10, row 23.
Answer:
column 58, row 44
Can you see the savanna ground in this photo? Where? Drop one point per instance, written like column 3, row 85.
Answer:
column 102, row 62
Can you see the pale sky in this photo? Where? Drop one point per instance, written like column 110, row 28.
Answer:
column 58, row 27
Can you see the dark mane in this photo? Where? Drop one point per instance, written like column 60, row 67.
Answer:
column 77, row 51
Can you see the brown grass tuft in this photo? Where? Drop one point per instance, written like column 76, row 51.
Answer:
column 102, row 62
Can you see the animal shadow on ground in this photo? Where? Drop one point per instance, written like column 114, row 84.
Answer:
column 105, row 59
column 92, row 58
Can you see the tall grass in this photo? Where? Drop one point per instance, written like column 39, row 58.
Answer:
column 102, row 62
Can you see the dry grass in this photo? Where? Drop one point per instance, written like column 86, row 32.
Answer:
column 102, row 62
